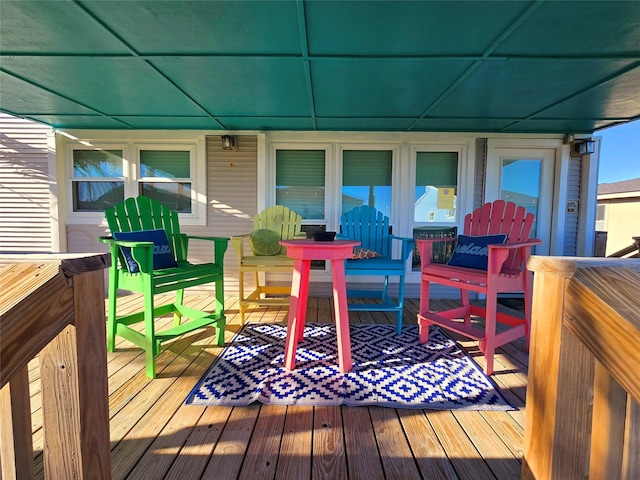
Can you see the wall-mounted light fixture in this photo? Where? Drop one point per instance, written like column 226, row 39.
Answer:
column 584, row 147
column 228, row 142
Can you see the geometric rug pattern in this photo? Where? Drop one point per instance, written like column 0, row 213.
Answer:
column 389, row 370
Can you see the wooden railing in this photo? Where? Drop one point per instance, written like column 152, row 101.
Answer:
column 632, row 251
column 583, row 413
column 53, row 305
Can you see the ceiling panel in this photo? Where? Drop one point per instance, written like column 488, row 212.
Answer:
column 519, row 88
column 526, row 66
column 52, row 27
column 572, row 28
column 347, row 28
column 617, row 98
column 224, row 27
column 20, row 96
column 381, row 87
column 253, row 86
column 106, row 84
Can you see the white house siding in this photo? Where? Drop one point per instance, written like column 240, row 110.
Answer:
column 25, row 203
column 570, row 246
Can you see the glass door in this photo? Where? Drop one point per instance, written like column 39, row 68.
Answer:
column 524, row 176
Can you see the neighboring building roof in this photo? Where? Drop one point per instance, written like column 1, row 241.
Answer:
column 624, row 186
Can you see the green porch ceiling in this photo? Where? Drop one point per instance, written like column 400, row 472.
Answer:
column 477, row 66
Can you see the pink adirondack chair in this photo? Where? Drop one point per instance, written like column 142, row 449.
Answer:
column 506, row 272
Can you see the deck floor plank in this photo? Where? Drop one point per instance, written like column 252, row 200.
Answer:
column 155, row 435
column 328, row 455
column 395, row 453
column 198, row 448
column 430, row 455
column 464, row 456
column 261, row 458
column 363, row 457
column 295, row 451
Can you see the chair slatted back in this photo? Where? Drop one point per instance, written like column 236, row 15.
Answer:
column 502, row 217
column 280, row 219
column 143, row 213
column 368, row 226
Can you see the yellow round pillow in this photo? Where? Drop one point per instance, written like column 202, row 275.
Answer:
column 264, row 242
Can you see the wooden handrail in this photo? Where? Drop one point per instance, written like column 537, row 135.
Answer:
column 53, row 306
column 583, row 394
column 634, row 247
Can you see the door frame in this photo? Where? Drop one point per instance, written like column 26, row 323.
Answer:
column 554, row 174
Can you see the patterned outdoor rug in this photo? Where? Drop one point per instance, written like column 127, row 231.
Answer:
column 388, row 370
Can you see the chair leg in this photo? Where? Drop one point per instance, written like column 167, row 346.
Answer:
column 220, row 298
column 111, row 315
column 177, row 317
column 400, row 304
column 423, row 324
column 488, row 343
column 424, row 296
column 150, row 345
column 464, row 298
column 241, row 298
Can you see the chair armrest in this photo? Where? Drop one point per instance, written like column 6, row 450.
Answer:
column 220, row 245
column 142, row 252
column 407, row 245
column 237, row 242
column 499, row 252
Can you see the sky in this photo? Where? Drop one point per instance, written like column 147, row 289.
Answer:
column 620, row 153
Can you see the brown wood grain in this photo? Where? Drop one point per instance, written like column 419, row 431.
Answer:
column 361, row 448
column 261, row 457
column 430, row 455
column 295, row 451
column 584, row 309
column 16, row 447
column 328, row 445
column 609, row 412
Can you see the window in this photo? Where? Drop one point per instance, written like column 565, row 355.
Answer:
column 98, row 179
column 300, row 182
column 166, row 176
column 435, row 195
column 103, row 175
column 366, row 179
column 601, row 212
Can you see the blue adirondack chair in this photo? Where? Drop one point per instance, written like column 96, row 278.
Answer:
column 371, row 228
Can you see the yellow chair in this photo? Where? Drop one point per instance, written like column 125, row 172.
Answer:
column 259, row 252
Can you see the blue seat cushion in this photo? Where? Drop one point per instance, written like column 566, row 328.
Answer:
column 162, row 252
column 370, row 265
column 473, row 252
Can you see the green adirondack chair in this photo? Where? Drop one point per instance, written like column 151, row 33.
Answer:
column 149, row 255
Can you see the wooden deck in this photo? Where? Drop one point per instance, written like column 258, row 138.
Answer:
column 155, row 436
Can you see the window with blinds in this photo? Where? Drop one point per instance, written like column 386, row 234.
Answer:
column 366, row 179
column 300, row 182
column 101, row 177
column 435, row 190
column 97, row 180
column 165, row 175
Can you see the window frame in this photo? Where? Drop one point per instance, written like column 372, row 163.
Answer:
column 132, row 180
column 461, row 180
column 270, row 194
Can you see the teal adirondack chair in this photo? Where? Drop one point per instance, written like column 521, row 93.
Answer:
column 371, row 228
column 153, row 261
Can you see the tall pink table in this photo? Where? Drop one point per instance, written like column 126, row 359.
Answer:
column 303, row 251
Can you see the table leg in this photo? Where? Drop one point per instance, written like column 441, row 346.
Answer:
column 342, row 315
column 297, row 311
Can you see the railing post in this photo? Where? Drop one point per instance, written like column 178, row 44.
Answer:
column 584, row 328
